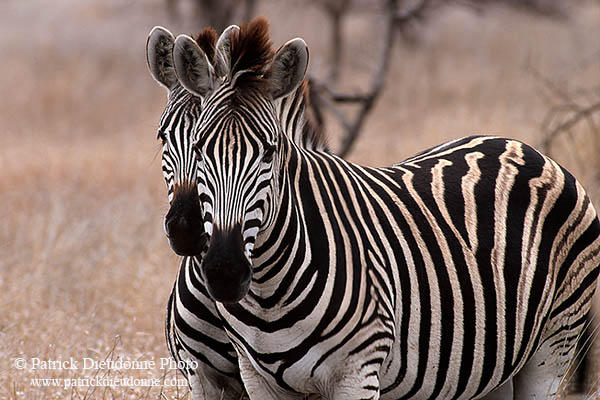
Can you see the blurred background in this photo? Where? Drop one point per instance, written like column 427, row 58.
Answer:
column 85, row 270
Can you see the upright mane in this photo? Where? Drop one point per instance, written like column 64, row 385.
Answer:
column 313, row 132
column 207, row 40
column 251, row 50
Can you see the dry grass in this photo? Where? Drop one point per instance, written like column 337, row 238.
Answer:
column 83, row 260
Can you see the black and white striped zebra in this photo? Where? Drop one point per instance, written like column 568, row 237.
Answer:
column 463, row 272
column 194, row 331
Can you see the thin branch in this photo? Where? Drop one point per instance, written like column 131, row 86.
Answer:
column 377, row 84
column 569, row 123
column 568, row 107
column 336, row 12
column 551, row 86
column 319, row 101
column 394, row 20
column 417, row 11
column 343, row 97
column 249, row 10
column 555, row 112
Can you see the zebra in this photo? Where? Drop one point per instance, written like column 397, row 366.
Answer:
column 193, row 329
column 463, row 272
column 194, row 332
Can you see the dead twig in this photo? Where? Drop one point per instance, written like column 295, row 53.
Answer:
column 580, row 114
column 568, row 111
column 552, row 87
column 329, row 98
column 216, row 13
column 335, row 9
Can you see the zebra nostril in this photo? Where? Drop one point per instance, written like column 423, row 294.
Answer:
column 181, row 223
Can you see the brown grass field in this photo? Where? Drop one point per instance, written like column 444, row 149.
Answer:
column 85, row 269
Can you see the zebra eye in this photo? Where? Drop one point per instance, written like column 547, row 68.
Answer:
column 196, row 149
column 269, row 151
column 161, row 136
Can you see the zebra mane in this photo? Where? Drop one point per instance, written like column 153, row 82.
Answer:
column 251, row 50
column 313, row 134
column 207, row 40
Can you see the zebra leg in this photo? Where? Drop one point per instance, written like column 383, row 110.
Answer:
column 541, row 377
column 504, row 392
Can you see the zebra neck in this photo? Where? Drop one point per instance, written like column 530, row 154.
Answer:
column 283, row 247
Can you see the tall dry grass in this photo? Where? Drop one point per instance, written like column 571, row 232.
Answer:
column 84, row 268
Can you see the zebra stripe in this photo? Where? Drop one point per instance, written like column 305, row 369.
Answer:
column 193, row 329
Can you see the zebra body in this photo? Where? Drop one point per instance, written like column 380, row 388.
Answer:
column 195, row 336
column 466, row 269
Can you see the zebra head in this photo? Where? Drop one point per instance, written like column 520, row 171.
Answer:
column 238, row 140
column 183, row 222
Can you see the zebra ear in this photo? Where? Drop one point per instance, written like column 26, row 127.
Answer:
column 159, row 56
column 288, row 68
column 192, row 66
column 223, row 53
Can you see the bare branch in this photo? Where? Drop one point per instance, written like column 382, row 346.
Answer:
column 551, row 86
column 394, row 20
column 569, row 111
column 377, row 84
column 249, row 10
column 585, row 113
column 318, row 101
column 336, row 10
column 417, row 11
column 172, row 8
column 555, row 9
column 342, row 97
column 216, row 13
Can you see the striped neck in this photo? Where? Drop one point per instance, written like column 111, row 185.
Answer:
column 286, row 238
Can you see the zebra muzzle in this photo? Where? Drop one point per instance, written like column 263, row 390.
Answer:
column 184, row 225
column 225, row 268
